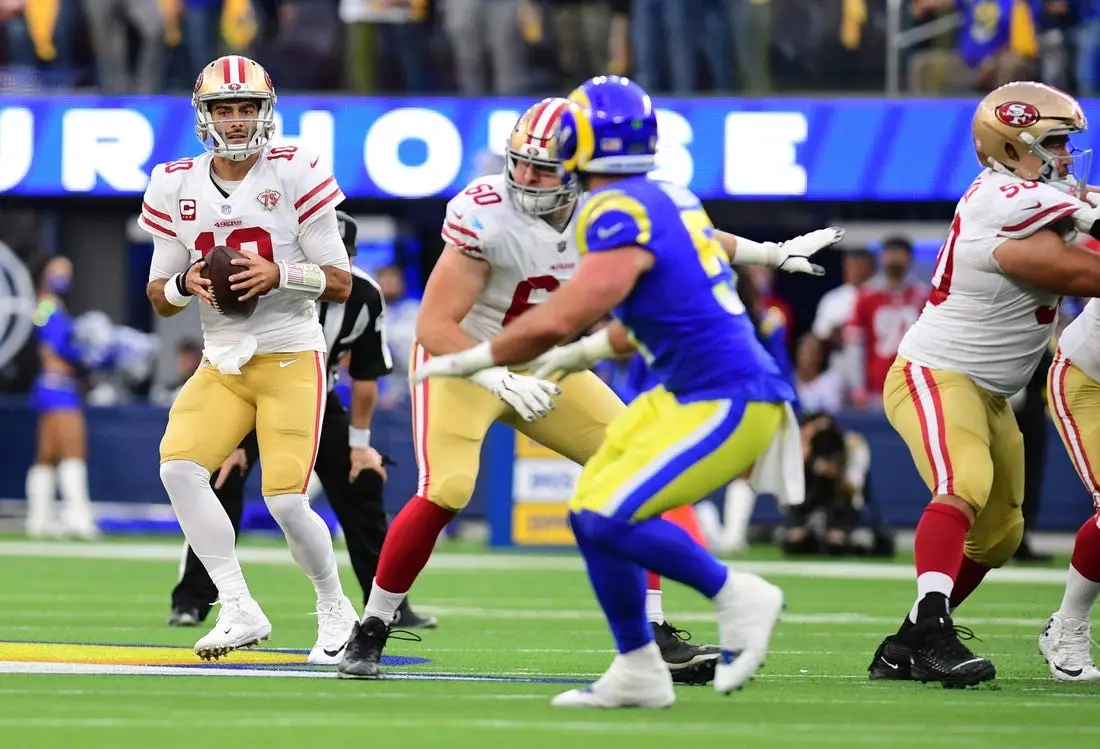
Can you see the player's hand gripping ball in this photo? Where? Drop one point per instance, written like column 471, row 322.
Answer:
column 217, row 269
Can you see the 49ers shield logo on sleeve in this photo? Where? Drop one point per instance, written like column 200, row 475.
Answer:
column 269, row 199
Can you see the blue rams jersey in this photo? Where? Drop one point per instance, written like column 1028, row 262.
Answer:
column 683, row 314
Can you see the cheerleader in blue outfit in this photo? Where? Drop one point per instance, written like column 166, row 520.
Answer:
column 60, row 462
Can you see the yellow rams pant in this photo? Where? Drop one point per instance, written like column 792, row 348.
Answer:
column 661, row 454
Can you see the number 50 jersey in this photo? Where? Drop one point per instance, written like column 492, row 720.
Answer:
column 267, row 213
column 978, row 320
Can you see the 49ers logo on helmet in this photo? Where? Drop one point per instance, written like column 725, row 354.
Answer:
column 1017, row 114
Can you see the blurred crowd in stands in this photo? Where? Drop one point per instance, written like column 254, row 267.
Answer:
column 525, row 47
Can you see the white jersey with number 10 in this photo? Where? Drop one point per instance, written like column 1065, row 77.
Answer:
column 283, row 193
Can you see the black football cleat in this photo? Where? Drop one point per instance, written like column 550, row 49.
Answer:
column 409, row 619
column 938, row 653
column 363, row 653
column 891, row 661
column 184, row 617
column 688, row 664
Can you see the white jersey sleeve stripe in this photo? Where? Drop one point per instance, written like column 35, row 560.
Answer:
column 336, row 195
column 1042, row 218
column 302, row 201
column 467, row 249
column 155, row 228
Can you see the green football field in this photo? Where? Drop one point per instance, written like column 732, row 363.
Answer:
column 514, row 630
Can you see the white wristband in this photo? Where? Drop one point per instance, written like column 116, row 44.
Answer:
column 358, row 438
column 305, row 278
column 172, row 294
column 749, row 252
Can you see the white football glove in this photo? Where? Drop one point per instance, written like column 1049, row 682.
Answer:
column 794, row 254
column 574, row 357
column 529, row 396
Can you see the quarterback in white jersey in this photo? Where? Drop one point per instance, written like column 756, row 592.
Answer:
column 509, row 243
column 267, row 371
column 1007, row 259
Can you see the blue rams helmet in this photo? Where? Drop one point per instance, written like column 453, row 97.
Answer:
column 609, row 128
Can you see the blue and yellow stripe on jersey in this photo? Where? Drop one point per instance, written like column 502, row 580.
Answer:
column 612, row 219
column 661, row 454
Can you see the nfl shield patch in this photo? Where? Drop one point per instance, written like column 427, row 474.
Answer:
column 562, row 245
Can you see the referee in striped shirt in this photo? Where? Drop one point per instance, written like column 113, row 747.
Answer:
column 351, row 471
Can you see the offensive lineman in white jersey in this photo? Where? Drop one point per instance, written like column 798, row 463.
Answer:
column 1073, row 392
column 267, row 371
column 509, row 245
column 1006, row 260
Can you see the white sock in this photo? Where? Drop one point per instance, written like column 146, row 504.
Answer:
column 654, row 611
column 931, row 582
column 314, row 487
column 382, row 603
column 1080, row 594
column 41, row 490
column 644, row 656
column 309, row 541
column 740, row 502
column 205, row 524
column 72, row 480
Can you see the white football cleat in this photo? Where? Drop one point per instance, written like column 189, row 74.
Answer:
column 642, row 680
column 335, row 620
column 240, row 624
column 745, row 629
column 1066, row 644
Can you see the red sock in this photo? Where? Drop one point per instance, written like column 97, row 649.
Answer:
column 652, row 581
column 409, row 543
column 1086, row 550
column 938, row 544
column 969, row 577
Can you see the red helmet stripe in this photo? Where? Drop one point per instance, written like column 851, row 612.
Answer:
column 536, row 112
column 225, row 70
column 545, row 121
column 240, row 70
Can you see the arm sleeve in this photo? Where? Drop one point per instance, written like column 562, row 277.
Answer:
column 320, row 241
column 370, row 354
column 169, row 258
column 612, row 220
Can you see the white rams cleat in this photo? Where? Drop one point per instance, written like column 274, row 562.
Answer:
column 335, row 620
column 1066, row 643
column 745, row 629
column 642, row 680
column 241, row 623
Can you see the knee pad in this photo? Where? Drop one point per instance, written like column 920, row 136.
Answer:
column 452, row 492
column 287, row 474
column 183, row 475
column 995, row 548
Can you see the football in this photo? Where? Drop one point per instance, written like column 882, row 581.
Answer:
column 219, row 267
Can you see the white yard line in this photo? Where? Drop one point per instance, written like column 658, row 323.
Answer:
column 504, row 561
